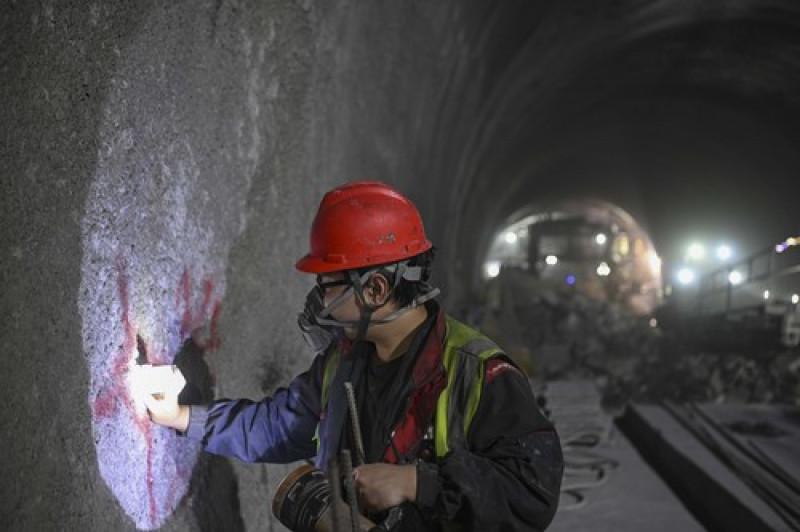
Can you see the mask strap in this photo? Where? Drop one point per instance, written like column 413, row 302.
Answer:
column 401, row 270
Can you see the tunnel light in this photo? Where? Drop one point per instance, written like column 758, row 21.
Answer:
column 510, row 237
column 600, row 238
column 795, row 299
column 654, row 261
column 571, row 279
column 766, row 294
column 696, row 252
column 685, row 276
column 789, row 242
column 724, row 252
column 735, row 277
column 551, row 260
column 603, row 270
column 493, row 269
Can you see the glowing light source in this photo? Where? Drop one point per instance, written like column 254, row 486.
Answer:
column 493, row 268
column 603, row 270
column 795, row 299
column 654, row 261
column 789, row 242
column 149, row 379
column 766, row 294
column 724, row 252
column 600, row 238
column 696, row 251
column 570, row 279
column 510, row 237
column 653, row 323
column 735, row 277
column 551, row 260
column 685, row 276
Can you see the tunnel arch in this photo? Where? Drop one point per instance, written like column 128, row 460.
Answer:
column 637, row 66
column 608, row 254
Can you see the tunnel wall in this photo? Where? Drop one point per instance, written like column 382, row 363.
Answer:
column 160, row 165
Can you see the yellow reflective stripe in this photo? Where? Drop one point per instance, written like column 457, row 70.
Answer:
column 477, row 385
column 327, row 378
column 443, row 403
column 458, row 336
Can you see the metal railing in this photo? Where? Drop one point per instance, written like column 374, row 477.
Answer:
column 769, row 278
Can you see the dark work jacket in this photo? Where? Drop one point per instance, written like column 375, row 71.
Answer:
column 506, row 478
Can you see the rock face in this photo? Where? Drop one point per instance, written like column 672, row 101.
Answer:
column 161, row 166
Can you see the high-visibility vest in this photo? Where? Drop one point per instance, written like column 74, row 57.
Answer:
column 465, row 354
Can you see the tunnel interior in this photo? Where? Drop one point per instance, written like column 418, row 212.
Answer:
column 670, row 111
column 161, row 165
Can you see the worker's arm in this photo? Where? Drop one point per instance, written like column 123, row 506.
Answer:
column 275, row 429
column 510, row 477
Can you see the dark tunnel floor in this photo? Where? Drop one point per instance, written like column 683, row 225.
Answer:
column 674, row 467
column 607, row 485
column 667, row 423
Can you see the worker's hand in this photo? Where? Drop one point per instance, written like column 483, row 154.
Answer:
column 381, row 486
column 158, row 388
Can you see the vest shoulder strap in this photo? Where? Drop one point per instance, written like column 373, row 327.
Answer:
column 465, row 354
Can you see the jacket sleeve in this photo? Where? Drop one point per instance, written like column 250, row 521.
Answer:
column 277, row 429
column 510, row 476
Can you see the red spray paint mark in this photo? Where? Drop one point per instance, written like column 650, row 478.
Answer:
column 192, row 321
column 108, row 400
column 116, row 396
column 214, row 341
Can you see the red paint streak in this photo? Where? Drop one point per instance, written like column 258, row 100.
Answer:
column 214, row 341
column 109, row 400
column 151, row 498
column 191, row 321
column 208, row 287
column 115, row 396
column 104, row 405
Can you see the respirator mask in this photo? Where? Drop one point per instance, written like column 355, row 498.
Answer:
column 320, row 329
column 317, row 336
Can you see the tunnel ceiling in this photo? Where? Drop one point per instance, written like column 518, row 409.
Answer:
column 683, row 113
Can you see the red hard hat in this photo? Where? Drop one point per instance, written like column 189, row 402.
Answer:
column 360, row 224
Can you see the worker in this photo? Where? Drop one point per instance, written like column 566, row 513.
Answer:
column 450, row 432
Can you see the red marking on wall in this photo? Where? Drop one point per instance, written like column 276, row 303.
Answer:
column 115, row 396
column 214, row 341
column 151, row 498
column 109, row 399
column 193, row 319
